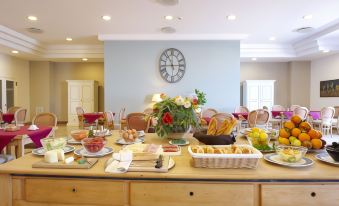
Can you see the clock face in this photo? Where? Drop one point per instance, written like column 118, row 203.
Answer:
column 172, row 65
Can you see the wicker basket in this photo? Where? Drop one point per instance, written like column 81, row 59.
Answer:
column 230, row 161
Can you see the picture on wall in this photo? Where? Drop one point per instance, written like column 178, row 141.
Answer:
column 329, row 88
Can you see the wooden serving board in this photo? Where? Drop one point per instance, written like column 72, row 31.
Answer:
column 149, row 166
column 62, row 165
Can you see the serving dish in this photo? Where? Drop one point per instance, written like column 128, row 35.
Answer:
column 41, row 151
column 325, row 157
column 82, row 152
column 275, row 158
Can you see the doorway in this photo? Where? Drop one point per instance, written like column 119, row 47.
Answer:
column 7, row 93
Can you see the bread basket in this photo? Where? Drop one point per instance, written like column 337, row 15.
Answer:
column 230, row 161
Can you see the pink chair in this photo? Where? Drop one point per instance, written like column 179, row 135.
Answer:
column 302, row 112
column 258, row 118
column 278, row 108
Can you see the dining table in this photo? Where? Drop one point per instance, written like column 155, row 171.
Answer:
column 8, row 117
column 17, row 138
column 288, row 114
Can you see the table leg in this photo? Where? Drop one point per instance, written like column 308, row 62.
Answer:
column 21, row 148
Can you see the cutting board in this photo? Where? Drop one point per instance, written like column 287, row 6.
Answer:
column 149, row 165
column 62, row 165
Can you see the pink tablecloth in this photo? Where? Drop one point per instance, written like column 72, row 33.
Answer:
column 237, row 114
column 91, row 117
column 36, row 135
column 8, row 117
column 288, row 114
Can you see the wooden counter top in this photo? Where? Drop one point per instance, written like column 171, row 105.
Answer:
column 183, row 169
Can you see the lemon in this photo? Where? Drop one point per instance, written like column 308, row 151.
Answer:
column 292, row 139
column 263, row 136
column 256, row 134
column 296, row 142
column 255, row 129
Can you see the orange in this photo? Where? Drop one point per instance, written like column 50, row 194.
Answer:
column 283, row 140
column 314, row 134
column 304, row 137
column 316, row 143
column 295, row 132
column 305, row 126
column 284, row 133
column 296, row 119
column 307, row 144
column 289, row 125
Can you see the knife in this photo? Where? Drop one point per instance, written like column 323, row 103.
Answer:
column 159, row 162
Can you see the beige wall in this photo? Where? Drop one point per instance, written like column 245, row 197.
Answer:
column 17, row 70
column 278, row 71
column 74, row 71
column 323, row 69
column 300, row 74
column 40, row 88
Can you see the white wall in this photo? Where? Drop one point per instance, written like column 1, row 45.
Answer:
column 326, row 68
column 300, row 74
column 17, row 70
column 132, row 76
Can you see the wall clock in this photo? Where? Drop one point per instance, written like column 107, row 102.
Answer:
column 172, row 65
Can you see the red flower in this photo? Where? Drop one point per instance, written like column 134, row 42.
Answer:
column 167, row 118
column 195, row 101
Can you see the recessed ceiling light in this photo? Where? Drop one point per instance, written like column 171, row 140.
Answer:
column 32, row 18
column 15, row 52
column 231, row 17
column 69, row 39
column 272, row 38
column 307, row 17
column 254, row 59
column 168, row 17
column 106, row 18
column 84, row 59
column 326, row 51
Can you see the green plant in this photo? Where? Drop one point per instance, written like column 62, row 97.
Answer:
column 176, row 114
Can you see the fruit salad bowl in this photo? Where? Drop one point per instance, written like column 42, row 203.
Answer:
column 79, row 134
column 93, row 145
column 291, row 154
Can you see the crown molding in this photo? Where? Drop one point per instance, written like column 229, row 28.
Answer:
column 266, row 50
column 171, row 37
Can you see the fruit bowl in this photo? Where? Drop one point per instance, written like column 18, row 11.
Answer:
column 333, row 151
column 78, row 135
column 53, row 143
column 93, row 145
column 291, row 154
column 259, row 139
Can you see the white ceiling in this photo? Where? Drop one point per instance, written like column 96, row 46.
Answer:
column 257, row 20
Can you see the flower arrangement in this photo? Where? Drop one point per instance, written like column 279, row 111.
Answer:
column 177, row 115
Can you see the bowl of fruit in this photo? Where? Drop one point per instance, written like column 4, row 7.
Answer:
column 333, row 151
column 259, row 139
column 78, row 134
column 53, row 143
column 130, row 135
column 93, row 145
column 290, row 154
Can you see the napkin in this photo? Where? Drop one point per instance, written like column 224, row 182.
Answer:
column 121, row 162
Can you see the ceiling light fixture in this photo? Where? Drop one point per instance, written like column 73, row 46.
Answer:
column 272, row 38
column 15, row 52
column 254, row 59
column 169, row 18
column 106, row 18
column 69, row 39
column 32, row 18
column 180, row 18
column 84, row 59
column 308, row 17
column 231, row 17
column 326, row 51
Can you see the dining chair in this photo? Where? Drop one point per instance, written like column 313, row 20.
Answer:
column 12, row 110
column 20, row 116
column 241, row 109
column 302, row 112
column 221, row 117
column 206, row 116
column 258, row 118
column 122, row 118
column 327, row 114
column 46, row 119
column 293, row 107
column 138, row 121
column 1, row 118
column 109, row 120
column 278, row 108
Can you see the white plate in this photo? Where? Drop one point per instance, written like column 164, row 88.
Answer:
column 324, row 157
column 172, row 142
column 103, row 152
column 41, row 151
column 173, row 153
column 73, row 141
column 123, row 142
column 108, row 133
column 275, row 158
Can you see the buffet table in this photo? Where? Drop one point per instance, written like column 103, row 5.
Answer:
column 269, row 184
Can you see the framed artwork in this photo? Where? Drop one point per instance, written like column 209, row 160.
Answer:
column 329, row 88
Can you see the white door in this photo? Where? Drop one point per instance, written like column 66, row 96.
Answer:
column 8, row 91
column 253, row 96
column 267, row 94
